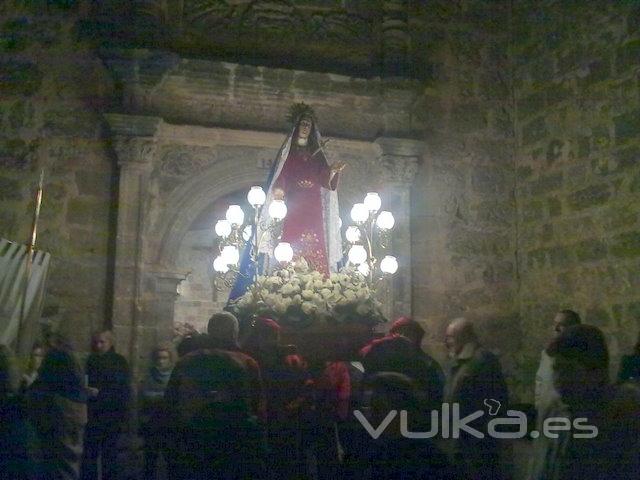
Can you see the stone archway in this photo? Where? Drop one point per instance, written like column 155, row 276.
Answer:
column 172, row 167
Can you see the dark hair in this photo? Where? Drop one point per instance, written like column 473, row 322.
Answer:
column 583, row 343
column 197, row 341
column 61, row 373
column 570, row 318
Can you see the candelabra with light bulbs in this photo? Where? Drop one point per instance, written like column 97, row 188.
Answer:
column 369, row 239
column 234, row 234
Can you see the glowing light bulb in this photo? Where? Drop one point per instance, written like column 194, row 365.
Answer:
column 278, row 210
column 389, row 265
column 219, row 265
column 223, row 228
column 352, row 234
column 359, row 213
column 256, row 196
column 357, row 254
column 283, row 252
column 372, row 201
column 385, row 220
column 364, row 269
column 235, row 215
column 231, row 255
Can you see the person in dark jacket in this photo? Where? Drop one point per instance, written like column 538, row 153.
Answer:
column 630, row 366
column 57, row 407
column 212, row 433
column 152, row 407
column 20, row 454
column 392, row 456
column 108, row 387
column 603, row 438
column 400, row 351
column 475, row 383
column 223, row 330
column 287, row 392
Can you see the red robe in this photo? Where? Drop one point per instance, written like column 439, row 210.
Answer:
column 301, row 179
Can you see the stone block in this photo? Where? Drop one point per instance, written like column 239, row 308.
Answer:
column 534, row 131
column 618, row 217
column 559, row 93
column 627, row 56
column 82, row 242
column 626, row 245
column 590, row 250
column 546, row 183
column 627, row 158
column 598, row 316
column 19, row 78
column 10, row 189
column 21, row 114
column 468, row 117
column 88, row 211
column 554, row 207
column 531, row 105
column 532, row 211
column 627, row 126
column 524, row 172
column 634, row 187
column 94, row 183
column 599, row 70
column 485, row 179
column 560, row 257
column 70, row 122
column 16, row 154
column 589, row 197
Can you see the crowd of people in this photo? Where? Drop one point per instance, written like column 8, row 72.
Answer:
column 231, row 405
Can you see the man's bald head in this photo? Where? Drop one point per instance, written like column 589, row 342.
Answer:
column 459, row 332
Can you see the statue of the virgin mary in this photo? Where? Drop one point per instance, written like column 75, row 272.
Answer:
column 303, row 178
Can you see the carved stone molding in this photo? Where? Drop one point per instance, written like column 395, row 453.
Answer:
column 134, row 150
column 399, row 159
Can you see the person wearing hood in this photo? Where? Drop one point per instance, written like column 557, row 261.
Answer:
column 152, row 412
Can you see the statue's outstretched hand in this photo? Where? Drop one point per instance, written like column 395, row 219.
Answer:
column 338, row 167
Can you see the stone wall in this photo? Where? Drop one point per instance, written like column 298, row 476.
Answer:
column 578, row 162
column 463, row 209
column 52, row 89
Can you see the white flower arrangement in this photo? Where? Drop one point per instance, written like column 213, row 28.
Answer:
column 297, row 295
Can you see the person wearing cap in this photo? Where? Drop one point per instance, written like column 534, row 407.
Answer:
column 545, row 392
column 600, row 437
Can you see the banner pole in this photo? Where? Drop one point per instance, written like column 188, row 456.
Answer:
column 30, row 251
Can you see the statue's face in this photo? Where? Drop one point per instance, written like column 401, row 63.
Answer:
column 304, row 129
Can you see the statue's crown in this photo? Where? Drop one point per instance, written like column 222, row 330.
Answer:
column 299, row 110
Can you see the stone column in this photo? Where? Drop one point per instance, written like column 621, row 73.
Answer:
column 134, row 159
column 157, row 300
column 399, row 160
